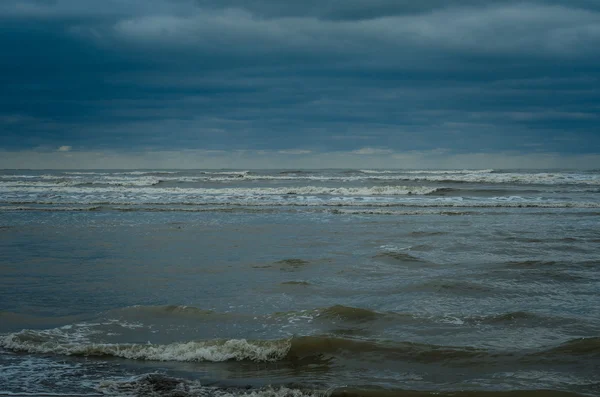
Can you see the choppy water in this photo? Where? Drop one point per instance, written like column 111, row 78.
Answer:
column 294, row 283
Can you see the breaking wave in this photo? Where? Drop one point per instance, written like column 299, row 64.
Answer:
column 216, row 350
column 157, row 384
column 300, row 190
column 305, row 348
column 293, row 349
column 443, row 172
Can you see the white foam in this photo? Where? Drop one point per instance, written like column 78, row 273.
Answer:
column 199, row 202
column 243, row 173
column 39, row 376
column 57, row 341
column 53, row 209
column 49, row 394
column 300, row 190
column 148, row 384
column 443, row 172
column 543, row 178
column 149, row 178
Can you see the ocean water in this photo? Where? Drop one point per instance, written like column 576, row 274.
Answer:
column 300, row 283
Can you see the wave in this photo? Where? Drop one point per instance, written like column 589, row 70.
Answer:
column 163, row 310
column 400, row 213
column 352, row 314
column 345, row 207
column 371, row 197
column 234, row 173
column 53, row 209
column 519, row 318
column 85, row 339
column 323, row 314
column 443, row 172
column 380, row 392
column 216, row 350
column 294, row 349
column 399, row 257
column 531, row 264
column 296, row 172
column 58, row 182
column 142, row 178
column 299, row 283
column 428, row 233
column 292, row 263
column 279, row 191
column 157, row 384
column 451, row 286
column 578, row 347
column 336, row 313
column 149, row 172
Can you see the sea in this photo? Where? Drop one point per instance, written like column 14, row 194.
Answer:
column 291, row 283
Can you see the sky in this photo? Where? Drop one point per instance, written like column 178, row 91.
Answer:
column 299, row 84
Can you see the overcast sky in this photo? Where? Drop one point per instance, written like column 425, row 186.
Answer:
column 312, row 83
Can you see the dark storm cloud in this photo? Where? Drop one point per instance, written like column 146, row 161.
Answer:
column 469, row 76
column 369, row 9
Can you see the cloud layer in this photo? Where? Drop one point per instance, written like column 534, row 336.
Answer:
column 382, row 77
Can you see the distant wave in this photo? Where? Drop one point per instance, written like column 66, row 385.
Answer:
column 49, row 209
column 299, row 190
column 441, row 176
column 149, row 172
column 338, row 208
column 400, row 212
column 443, row 172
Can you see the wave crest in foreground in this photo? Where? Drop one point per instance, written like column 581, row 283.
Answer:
column 215, row 350
column 162, row 385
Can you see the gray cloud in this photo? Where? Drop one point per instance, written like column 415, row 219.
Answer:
column 293, row 77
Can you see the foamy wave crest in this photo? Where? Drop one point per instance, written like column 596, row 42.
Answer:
column 274, row 191
column 442, row 172
column 157, row 172
column 219, row 350
column 378, row 172
column 85, row 173
column 232, row 173
column 507, row 178
column 216, row 350
column 47, row 209
column 59, row 181
column 399, row 213
column 449, row 172
column 156, row 384
column 121, row 181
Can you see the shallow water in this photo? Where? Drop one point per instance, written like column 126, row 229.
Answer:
column 342, row 282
